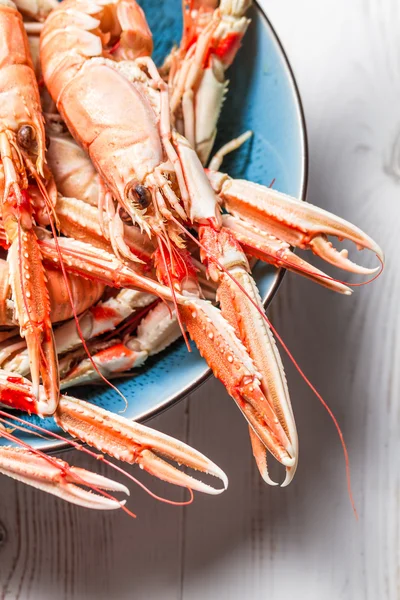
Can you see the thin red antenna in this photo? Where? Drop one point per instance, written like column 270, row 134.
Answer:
column 24, row 429
column 152, row 494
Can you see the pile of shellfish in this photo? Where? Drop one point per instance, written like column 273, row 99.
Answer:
column 120, row 235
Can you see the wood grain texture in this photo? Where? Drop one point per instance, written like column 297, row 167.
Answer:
column 256, row 542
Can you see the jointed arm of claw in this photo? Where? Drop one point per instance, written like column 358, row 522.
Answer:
column 300, row 224
column 85, row 260
column 242, row 307
column 58, row 478
column 117, row 436
column 31, row 300
column 231, row 364
column 90, row 262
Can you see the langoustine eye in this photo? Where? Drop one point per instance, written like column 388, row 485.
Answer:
column 26, row 137
column 142, row 195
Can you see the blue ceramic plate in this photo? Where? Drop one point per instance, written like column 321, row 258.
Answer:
column 262, row 97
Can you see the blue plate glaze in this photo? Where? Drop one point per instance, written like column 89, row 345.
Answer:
column 263, row 97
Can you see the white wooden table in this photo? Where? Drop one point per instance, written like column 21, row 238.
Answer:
column 256, row 542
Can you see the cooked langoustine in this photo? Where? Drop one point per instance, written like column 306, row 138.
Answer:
column 111, row 434
column 23, row 174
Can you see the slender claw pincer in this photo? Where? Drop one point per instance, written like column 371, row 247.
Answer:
column 56, row 477
column 135, row 443
column 298, row 223
column 268, row 248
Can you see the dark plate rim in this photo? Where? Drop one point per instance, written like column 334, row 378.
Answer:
column 201, row 379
